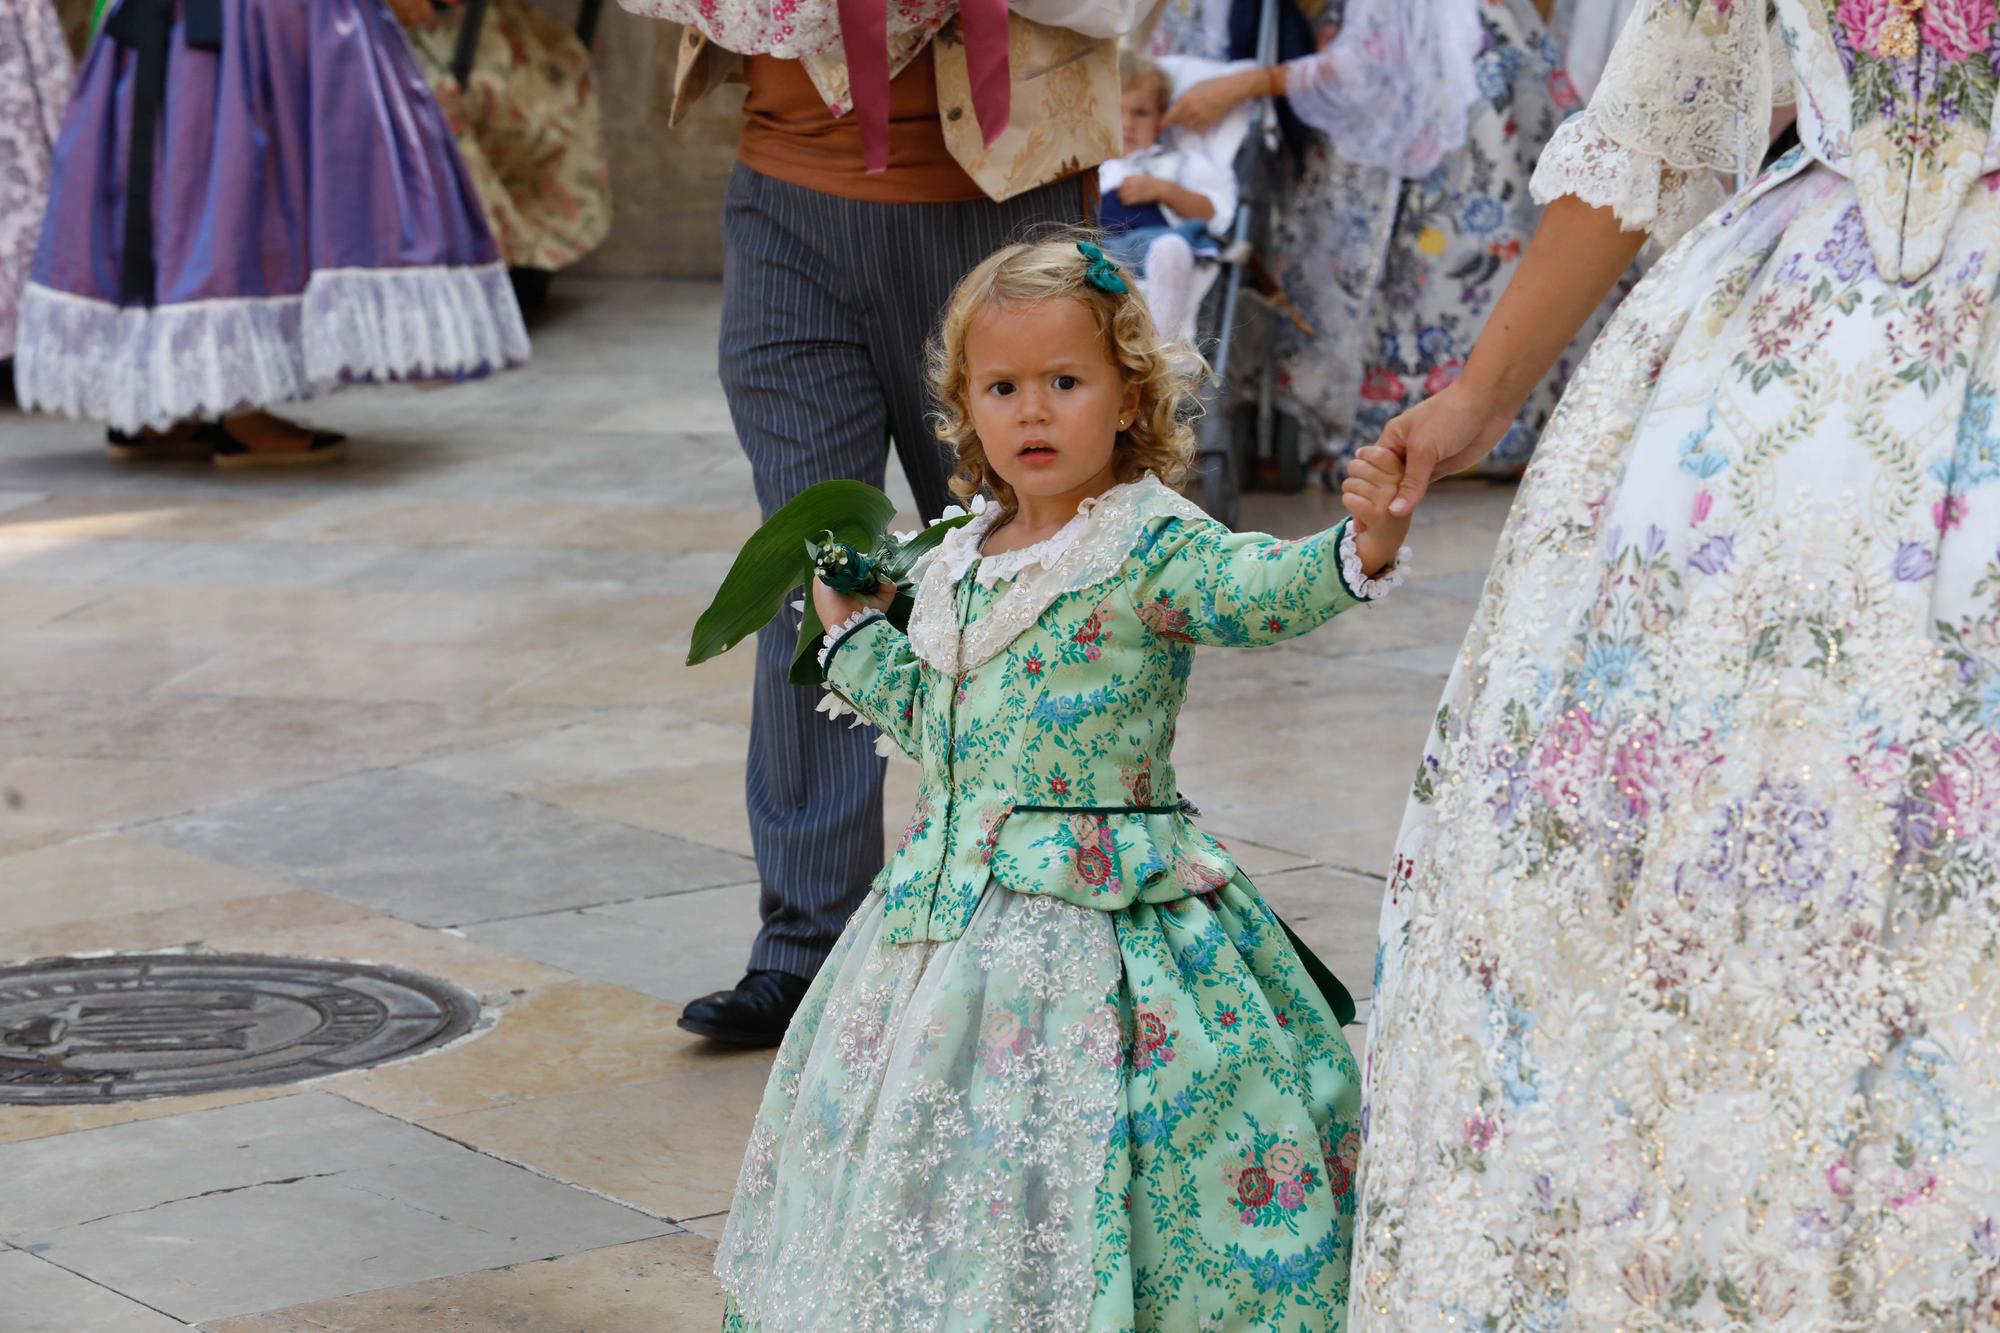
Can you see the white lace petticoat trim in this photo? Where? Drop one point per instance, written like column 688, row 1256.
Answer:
column 1356, row 578
column 131, row 367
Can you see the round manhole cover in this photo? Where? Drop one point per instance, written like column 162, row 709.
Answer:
column 105, row 1029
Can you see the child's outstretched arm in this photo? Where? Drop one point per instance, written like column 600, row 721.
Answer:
column 1205, row 584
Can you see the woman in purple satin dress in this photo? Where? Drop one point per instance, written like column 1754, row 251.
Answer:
column 254, row 201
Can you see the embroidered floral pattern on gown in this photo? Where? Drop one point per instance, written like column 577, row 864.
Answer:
column 1687, row 1007
column 1063, row 1071
column 529, row 128
column 1398, row 276
column 34, row 89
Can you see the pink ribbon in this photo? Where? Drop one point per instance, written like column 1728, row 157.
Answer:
column 864, row 39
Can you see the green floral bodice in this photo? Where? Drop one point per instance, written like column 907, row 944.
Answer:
column 1042, row 704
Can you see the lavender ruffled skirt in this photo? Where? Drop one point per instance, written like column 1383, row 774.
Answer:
column 313, row 224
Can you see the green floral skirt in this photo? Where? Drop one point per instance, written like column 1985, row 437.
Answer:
column 1063, row 1120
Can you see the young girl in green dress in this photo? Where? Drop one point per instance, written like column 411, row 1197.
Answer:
column 1064, row 1071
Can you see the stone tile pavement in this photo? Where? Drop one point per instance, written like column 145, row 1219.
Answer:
column 429, row 709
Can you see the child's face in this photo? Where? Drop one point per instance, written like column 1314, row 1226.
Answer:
column 1046, row 397
column 1141, row 109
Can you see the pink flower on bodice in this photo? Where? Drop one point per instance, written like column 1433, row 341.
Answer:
column 1958, row 29
column 1864, row 21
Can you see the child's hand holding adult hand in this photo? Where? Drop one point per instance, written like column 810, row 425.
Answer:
column 1373, row 478
column 1445, row 434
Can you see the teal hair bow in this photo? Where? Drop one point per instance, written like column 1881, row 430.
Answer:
column 1102, row 273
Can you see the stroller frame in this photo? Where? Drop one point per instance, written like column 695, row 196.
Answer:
column 1233, row 438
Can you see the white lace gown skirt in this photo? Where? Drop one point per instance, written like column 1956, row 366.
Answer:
column 1688, row 1013
column 990, row 1062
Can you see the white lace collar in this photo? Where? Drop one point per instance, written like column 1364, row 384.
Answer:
column 1087, row 550
column 960, row 551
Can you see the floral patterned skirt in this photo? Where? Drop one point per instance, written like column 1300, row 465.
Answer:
column 1689, row 1006
column 1064, row 1120
column 530, row 130
column 1397, row 277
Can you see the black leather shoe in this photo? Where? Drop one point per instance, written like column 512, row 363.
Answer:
column 756, row 1013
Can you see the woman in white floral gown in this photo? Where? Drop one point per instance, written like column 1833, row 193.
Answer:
column 1688, row 1014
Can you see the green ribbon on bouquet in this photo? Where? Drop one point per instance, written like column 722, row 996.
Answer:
column 841, row 527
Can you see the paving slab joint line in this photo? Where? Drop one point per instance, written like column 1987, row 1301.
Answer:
column 85, row 1277
column 207, row 1194
column 138, row 827
column 1357, row 871
column 109, row 590
column 675, row 1228
column 604, row 819
column 405, row 1203
column 594, row 907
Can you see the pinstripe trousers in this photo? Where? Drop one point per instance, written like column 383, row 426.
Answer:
column 826, row 306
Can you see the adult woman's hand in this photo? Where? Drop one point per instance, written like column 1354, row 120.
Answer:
column 1577, row 255
column 1445, row 434
column 1201, row 106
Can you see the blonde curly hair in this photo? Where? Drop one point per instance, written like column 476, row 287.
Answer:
column 1160, row 439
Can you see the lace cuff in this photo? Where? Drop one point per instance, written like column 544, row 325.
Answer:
column 1356, row 578
column 837, row 635
column 1645, row 193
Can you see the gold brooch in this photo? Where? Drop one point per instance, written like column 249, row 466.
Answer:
column 1898, row 38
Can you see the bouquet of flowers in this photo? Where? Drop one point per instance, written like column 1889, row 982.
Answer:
column 838, row 530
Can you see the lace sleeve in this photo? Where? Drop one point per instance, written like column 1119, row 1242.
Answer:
column 1687, row 93
column 1646, row 194
column 1395, row 89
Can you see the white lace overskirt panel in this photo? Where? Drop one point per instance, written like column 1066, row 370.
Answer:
column 1689, row 1005
column 930, row 1147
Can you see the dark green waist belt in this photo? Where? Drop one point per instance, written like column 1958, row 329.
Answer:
column 1330, row 988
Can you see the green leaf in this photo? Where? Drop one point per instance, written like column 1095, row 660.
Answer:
column 774, row 561
column 897, row 563
column 805, row 657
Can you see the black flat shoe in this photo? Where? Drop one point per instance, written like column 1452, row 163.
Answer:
column 231, row 454
column 756, row 1013
column 143, row 446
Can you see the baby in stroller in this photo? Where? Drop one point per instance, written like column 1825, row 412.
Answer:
column 1167, row 199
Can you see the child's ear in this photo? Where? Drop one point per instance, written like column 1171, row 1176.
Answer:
column 1128, row 408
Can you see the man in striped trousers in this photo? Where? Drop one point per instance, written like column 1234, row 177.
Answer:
column 834, row 279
